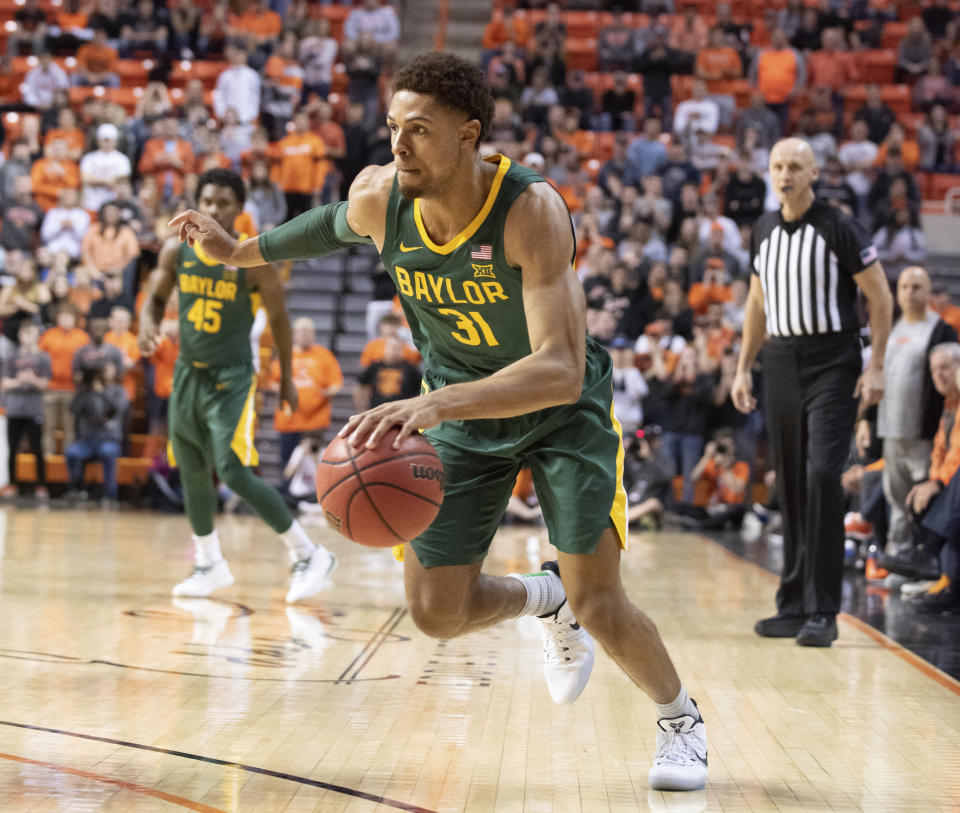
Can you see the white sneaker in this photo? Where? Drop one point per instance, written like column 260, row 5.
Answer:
column 681, row 759
column 567, row 651
column 204, row 580
column 309, row 576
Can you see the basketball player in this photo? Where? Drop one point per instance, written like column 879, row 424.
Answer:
column 211, row 412
column 480, row 251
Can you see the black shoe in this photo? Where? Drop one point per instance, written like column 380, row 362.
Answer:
column 820, row 630
column 779, row 626
column 945, row 600
column 913, row 563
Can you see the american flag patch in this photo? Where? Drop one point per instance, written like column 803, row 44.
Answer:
column 869, row 255
column 481, row 252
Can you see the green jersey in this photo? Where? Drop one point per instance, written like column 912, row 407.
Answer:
column 216, row 310
column 463, row 300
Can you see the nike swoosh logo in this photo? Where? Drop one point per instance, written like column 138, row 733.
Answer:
column 405, row 249
column 189, row 263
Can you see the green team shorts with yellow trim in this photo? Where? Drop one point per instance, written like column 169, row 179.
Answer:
column 575, row 454
column 213, row 409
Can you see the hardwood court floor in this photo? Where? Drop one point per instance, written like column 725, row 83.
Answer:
column 115, row 697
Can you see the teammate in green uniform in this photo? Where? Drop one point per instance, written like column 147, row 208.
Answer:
column 480, row 251
column 211, row 411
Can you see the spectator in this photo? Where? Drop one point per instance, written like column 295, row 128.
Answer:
column 647, row 477
column 364, row 65
column 698, row 113
column 389, row 326
column 18, row 164
column 858, row 156
column 167, row 157
column 715, row 255
column 629, row 386
column 237, row 86
column 615, row 45
column 718, row 62
column 113, row 298
column 255, row 31
column 762, row 120
column 689, row 31
column 690, row 393
column 143, row 30
column 713, row 288
column 891, row 187
column 65, row 225
column 317, row 54
column 111, row 248
column 509, row 59
column 41, row 82
column 678, row 170
column 377, row 20
column 711, row 220
column 897, row 140
column 822, row 143
column 61, row 343
column 504, row 26
column 25, row 381
column 106, row 17
column 22, row 218
column 21, row 300
column 908, row 413
column 538, row 97
column 933, row 88
column 901, row 242
column 52, row 174
column 184, row 28
column 99, row 409
column 877, row 115
column 658, row 62
column 102, row 168
column 833, row 67
column 212, row 34
column 317, row 377
column 31, row 29
column 807, row 36
column 59, row 285
column 727, row 480
column 390, row 379
column 302, row 167
column 832, row 187
column 914, row 52
column 744, row 194
column 551, row 32
column 267, row 197
column 97, row 62
column 235, row 136
column 734, row 311
column 779, row 74
column 937, row 141
column 575, row 94
column 618, row 105
column 121, row 337
column 83, row 293
column 96, row 355
column 68, row 131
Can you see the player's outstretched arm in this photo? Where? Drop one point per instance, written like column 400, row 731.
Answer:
column 161, row 284
column 538, row 238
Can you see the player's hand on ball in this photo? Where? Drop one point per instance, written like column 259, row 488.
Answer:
column 410, row 415
column 193, row 227
column 288, row 395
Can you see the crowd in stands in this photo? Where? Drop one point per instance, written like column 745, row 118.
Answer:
column 653, row 119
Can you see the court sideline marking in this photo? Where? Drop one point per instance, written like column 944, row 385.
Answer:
column 302, row 780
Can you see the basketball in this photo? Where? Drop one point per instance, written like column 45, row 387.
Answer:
column 384, row 496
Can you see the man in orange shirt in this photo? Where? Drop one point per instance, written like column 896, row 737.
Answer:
column 68, row 131
column 121, row 337
column 97, row 62
column 255, row 30
column 779, row 73
column 728, row 479
column 301, row 171
column 317, row 377
column 388, row 326
column 53, row 173
column 718, row 62
column 61, row 343
column 833, row 68
column 167, row 157
column 504, row 26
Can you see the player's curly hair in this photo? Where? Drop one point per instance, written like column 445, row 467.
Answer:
column 453, row 82
column 223, row 177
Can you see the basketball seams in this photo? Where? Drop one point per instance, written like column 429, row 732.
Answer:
column 403, row 490
column 373, row 504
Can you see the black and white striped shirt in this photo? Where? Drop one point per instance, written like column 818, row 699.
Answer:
column 806, row 268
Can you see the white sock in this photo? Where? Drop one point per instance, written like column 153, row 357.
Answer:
column 681, row 704
column 298, row 543
column 206, row 549
column 544, row 589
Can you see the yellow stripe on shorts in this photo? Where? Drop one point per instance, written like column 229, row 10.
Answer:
column 618, row 513
column 242, row 443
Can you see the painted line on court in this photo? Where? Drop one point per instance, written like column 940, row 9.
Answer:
column 884, row 640
column 301, row 780
column 120, row 783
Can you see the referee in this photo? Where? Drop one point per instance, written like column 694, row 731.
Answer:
column 808, row 260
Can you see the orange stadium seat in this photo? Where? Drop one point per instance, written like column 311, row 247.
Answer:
column 582, row 54
column 581, row 24
column 893, row 32
column 134, row 72
column 205, row 70
column 938, row 184
column 878, row 65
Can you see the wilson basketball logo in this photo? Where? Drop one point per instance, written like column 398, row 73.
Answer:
column 427, row 473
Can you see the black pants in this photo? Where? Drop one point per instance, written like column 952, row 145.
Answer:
column 811, row 411
column 33, row 429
